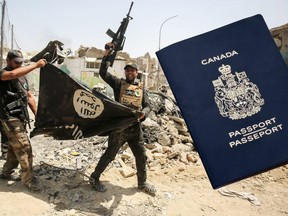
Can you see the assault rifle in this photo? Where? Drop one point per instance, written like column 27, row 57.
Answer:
column 118, row 38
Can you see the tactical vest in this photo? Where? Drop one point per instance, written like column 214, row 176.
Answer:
column 15, row 98
column 131, row 95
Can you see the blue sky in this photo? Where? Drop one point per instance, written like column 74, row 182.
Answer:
column 85, row 22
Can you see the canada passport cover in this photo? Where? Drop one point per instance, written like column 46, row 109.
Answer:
column 231, row 85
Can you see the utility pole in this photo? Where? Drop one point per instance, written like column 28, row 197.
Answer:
column 12, row 36
column 2, row 33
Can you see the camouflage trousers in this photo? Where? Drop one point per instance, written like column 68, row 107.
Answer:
column 19, row 150
column 4, row 140
column 134, row 137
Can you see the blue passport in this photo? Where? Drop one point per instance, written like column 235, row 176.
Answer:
column 231, row 85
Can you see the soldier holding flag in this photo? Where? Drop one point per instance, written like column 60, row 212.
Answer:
column 14, row 117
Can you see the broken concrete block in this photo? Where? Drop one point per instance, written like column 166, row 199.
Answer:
column 164, row 139
column 126, row 171
column 158, row 155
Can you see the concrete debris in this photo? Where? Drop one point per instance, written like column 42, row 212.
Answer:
column 183, row 158
column 166, row 134
column 125, row 170
column 158, row 155
column 166, row 137
column 192, row 158
column 181, row 168
column 173, row 155
column 150, row 146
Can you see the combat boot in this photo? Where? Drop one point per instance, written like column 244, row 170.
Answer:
column 10, row 177
column 97, row 185
column 147, row 188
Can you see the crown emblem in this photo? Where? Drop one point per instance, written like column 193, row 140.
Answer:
column 225, row 69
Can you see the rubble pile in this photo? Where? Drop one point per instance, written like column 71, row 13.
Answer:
column 68, row 154
column 167, row 140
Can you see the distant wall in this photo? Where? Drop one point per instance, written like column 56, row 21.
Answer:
column 280, row 35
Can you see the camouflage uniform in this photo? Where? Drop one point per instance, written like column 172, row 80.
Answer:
column 4, row 142
column 4, row 138
column 19, row 149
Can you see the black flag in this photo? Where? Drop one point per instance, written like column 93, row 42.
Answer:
column 68, row 109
